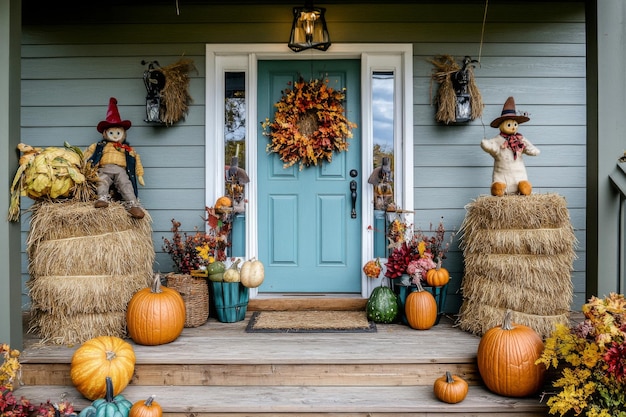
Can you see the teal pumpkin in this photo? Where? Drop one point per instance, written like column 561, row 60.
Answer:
column 382, row 306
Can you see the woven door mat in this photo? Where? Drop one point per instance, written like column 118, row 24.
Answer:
column 310, row 322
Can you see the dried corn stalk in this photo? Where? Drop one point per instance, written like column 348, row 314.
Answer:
column 175, row 97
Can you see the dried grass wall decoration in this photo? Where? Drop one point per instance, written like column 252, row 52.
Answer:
column 175, row 94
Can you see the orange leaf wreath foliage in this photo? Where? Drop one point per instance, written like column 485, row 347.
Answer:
column 309, row 124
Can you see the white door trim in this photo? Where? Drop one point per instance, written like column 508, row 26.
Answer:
column 222, row 58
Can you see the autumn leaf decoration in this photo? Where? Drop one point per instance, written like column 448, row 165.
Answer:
column 309, row 124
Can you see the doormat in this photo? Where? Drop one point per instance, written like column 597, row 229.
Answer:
column 310, row 322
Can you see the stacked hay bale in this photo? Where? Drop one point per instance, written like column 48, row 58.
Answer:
column 518, row 252
column 85, row 264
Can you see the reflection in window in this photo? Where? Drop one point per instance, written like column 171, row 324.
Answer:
column 235, row 136
column 383, row 132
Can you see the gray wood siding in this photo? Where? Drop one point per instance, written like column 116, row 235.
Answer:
column 73, row 60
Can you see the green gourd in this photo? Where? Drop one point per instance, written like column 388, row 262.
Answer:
column 382, row 305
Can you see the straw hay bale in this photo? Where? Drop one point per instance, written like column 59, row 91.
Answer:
column 85, row 264
column 74, row 329
column 535, row 211
column 519, row 252
column 52, row 220
column 521, row 241
column 124, row 252
column 517, row 296
column 479, row 317
column 67, row 295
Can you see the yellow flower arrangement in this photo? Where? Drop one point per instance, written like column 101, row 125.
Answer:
column 10, row 369
column 591, row 361
column 309, row 124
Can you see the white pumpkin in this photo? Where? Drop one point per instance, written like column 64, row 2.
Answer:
column 252, row 273
column 232, row 274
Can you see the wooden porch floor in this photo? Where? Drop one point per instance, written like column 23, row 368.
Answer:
column 218, row 369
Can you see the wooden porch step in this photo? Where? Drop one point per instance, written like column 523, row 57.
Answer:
column 218, row 369
column 285, row 401
column 292, row 302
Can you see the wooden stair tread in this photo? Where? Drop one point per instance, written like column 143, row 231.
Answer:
column 304, row 399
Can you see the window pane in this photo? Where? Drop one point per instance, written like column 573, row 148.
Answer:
column 234, row 124
column 383, row 130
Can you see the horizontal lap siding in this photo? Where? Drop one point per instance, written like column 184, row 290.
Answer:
column 73, row 60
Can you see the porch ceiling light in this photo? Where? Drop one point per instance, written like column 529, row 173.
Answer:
column 309, row 28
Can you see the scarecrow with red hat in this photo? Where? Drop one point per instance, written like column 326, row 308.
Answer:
column 509, row 171
column 117, row 162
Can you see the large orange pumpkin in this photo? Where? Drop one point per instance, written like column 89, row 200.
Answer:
column 155, row 315
column 420, row 309
column 506, row 359
column 98, row 358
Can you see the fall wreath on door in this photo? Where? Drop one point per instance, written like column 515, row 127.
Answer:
column 309, row 124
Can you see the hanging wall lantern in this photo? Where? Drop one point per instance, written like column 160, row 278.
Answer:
column 309, row 28
column 154, row 80
column 458, row 99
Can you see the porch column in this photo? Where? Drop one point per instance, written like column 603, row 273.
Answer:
column 606, row 104
column 10, row 243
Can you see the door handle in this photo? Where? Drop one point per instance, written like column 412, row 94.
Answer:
column 353, row 185
column 353, row 195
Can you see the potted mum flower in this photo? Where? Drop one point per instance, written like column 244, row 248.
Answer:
column 590, row 361
column 412, row 256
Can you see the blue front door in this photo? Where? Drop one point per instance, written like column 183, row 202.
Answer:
column 309, row 241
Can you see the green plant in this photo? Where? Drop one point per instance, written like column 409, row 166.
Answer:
column 590, row 358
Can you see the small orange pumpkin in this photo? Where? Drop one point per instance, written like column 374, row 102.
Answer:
column 147, row 408
column 155, row 315
column 450, row 388
column 223, row 202
column 99, row 358
column 506, row 359
column 437, row 277
column 420, row 309
column 372, row 268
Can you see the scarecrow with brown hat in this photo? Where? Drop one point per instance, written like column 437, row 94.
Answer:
column 117, row 162
column 509, row 171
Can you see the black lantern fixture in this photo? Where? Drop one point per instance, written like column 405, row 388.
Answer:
column 309, row 28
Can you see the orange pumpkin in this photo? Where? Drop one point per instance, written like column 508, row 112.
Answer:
column 420, row 309
column 223, row 202
column 99, row 358
column 147, row 408
column 155, row 315
column 372, row 268
column 437, row 277
column 506, row 359
column 450, row 388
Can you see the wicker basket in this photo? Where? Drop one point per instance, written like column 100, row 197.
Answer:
column 195, row 292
